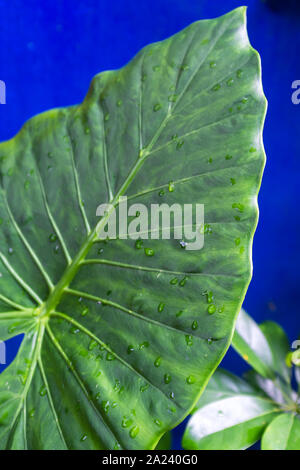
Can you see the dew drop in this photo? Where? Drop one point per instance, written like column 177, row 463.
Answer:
column 83, row 438
column 171, row 186
column 157, row 107
column 209, row 297
column 211, row 309
column 167, row 378
column 161, row 306
column 240, row 207
column 139, row 244
column 189, row 340
column 12, row 328
column 43, row 391
column 149, row 252
column 157, row 361
column 130, row 349
column 52, row 237
column 110, row 356
column 230, row 82
column 84, row 311
column 105, row 405
column 239, row 73
column 190, row 379
column 74, row 330
column 126, row 422
column 174, row 281
column 216, row 87
column 212, row 65
column 134, row 432
column 194, row 325
column 172, row 98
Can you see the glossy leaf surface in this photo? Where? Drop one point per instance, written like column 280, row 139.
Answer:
column 250, row 342
column 283, row 433
column 120, row 337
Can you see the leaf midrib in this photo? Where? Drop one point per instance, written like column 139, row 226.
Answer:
column 71, row 270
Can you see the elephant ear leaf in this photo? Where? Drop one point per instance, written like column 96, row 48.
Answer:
column 121, row 337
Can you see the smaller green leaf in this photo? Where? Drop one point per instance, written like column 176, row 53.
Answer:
column 223, row 384
column 278, row 390
column 283, row 433
column 279, row 345
column 229, row 416
column 250, row 342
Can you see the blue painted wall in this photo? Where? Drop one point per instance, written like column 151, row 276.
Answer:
column 49, row 51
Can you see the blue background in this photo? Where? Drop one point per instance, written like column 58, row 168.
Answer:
column 49, row 51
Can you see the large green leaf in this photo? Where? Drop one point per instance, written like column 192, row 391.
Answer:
column 283, row 433
column 231, row 415
column 119, row 344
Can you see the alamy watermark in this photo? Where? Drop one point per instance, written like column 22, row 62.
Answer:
column 296, row 94
column 180, row 222
column 296, row 354
column 2, row 352
column 2, row 92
